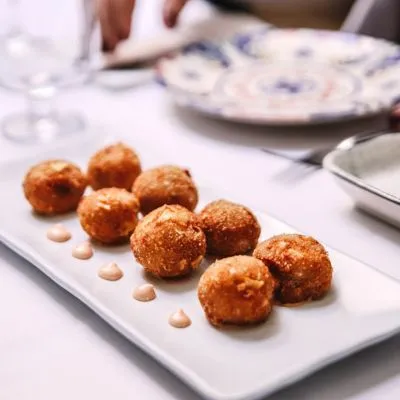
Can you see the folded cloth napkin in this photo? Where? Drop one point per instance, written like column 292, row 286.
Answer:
column 218, row 26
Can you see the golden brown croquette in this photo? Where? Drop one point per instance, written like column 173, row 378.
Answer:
column 114, row 166
column 300, row 265
column 165, row 185
column 54, row 187
column 168, row 242
column 109, row 215
column 236, row 290
column 230, row 229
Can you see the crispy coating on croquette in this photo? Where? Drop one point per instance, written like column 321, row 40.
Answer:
column 109, row 215
column 300, row 265
column 167, row 184
column 236, row 290
column 54, row 187
column 230, row 229
column 168, row 242
column 116, row 165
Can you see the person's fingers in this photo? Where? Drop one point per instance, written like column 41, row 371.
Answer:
column 121, row 17
column 108, row 31
column 172, row 9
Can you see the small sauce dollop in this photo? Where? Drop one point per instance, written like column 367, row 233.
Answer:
column 179, row 319
column 58, row 233
column 110, row 272
column 144, row 292
column 83, row 251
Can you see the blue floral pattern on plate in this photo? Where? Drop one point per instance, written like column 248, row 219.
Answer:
column 285, row 76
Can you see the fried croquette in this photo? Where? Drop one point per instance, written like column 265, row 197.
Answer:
column 168, row 242
column 165, row 185
column 236, row 290
column 54, row 187
column 114, row 166
column 231, row 229
column 300, row 265
column 109, row 215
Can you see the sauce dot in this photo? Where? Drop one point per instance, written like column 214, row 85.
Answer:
column 58, row 233
column 179, row 319
column 83, row 251
column 110, row 272
column 144, row 292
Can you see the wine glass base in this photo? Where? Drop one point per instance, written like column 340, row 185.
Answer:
column 23, row 128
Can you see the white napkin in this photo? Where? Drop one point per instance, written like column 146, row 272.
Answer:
column 216, row 27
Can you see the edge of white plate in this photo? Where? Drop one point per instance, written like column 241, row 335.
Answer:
column 183, row 373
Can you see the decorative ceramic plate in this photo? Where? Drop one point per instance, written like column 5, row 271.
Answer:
column 369, row 173
column 222, row 364
column 274, row 76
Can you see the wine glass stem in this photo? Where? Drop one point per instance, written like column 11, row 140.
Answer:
column 41, row 103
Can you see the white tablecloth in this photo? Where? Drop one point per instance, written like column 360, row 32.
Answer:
column 53, row 347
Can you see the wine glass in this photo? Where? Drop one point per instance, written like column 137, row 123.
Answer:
column 14, row 42
column 14, row 30
column 14, row 37
column 59, row 54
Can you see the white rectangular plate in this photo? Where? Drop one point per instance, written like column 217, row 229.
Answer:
column 221, row 364
column 369, row 173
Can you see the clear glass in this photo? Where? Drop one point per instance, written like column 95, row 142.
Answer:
column 15, row 41
column 15, row 37
column 58, row 54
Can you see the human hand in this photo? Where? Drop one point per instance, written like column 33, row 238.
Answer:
column 171, row 11
column 116, row 16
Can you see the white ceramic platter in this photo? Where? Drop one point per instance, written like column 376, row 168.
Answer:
column 281, row 77
column 225, row 364
column 370, row 174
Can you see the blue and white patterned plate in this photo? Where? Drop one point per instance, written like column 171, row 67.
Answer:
column 296, row 76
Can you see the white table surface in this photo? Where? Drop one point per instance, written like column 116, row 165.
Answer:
column 53, row 347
